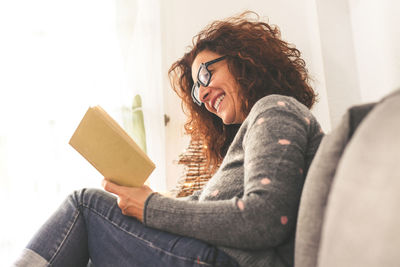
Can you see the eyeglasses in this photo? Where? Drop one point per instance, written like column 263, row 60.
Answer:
column 203, row 78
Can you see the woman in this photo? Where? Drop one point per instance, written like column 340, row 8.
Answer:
column 238, row 73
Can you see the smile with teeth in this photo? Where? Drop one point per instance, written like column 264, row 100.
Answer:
column 218, row 102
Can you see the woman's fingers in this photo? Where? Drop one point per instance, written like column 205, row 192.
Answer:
column 129, row 199
column 111, row 187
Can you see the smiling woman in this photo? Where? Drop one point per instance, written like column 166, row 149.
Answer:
column 256, row 60
column 246, row 214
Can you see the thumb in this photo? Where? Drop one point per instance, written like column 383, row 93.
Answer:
column 111, row 187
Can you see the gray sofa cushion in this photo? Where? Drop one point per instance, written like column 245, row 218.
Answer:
column 318, row 183
column 314, row 196
column 362, row 219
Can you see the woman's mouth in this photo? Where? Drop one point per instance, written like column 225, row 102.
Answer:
column 218, row 102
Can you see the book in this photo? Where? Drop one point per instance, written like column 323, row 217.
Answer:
column 106, row 145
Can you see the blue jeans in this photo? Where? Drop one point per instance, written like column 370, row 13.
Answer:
column 90, row 225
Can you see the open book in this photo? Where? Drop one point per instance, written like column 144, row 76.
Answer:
column 110, row 149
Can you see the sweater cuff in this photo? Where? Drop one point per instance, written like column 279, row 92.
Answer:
column 146, row 203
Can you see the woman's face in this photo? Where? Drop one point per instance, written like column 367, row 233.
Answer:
column 221, row 95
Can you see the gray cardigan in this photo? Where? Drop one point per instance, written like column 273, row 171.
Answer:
column 249, row 207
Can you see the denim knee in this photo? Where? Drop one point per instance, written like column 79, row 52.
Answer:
column 92, row 198
column 87, row 196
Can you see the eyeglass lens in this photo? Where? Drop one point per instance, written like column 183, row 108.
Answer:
column 204, row 75
column 196, row 92
column 203, row 79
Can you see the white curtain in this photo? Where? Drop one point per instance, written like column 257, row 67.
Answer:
column 56, row 59
column 359, row 49
column 140, row 39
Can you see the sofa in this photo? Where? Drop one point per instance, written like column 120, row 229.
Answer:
column 349, row 212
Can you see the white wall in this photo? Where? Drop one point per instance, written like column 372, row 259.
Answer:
column 339, row 61
column 361, row 59
column 375, row 25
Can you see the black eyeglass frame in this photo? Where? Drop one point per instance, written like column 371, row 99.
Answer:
column 199, row 82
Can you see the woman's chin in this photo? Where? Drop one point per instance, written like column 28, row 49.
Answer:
column 226, row 120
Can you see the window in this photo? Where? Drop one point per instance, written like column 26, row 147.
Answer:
column 57, row 58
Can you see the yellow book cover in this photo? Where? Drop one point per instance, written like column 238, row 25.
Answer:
column 104, row 143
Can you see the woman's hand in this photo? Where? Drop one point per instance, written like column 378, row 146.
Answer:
column 130, row 199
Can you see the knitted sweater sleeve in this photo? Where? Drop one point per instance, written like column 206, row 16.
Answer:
column 264, row 215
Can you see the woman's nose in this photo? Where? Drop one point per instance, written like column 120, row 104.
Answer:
column 204, row 93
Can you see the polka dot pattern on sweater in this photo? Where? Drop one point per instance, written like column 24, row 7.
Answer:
column 284, row 142
column 215, row 193
column 259, row 121
column 281, row 103
column 284, row 220
column 265, row 181
column 240, row 204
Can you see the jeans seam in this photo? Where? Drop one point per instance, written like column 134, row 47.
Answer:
column 65, row 237
column 148, row 243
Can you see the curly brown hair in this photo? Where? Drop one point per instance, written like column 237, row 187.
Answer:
column 262, row 64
